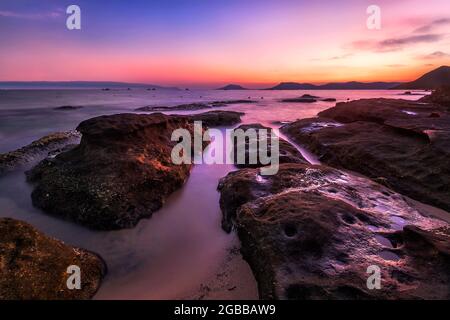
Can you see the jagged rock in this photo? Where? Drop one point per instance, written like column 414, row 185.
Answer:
column 287, row 152
column 393, row 140
column 217, row 118
column 40, row 148
column 34, row 266
column 312, row 232
column 121, row 172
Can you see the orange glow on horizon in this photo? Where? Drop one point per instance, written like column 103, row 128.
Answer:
column 255, row 46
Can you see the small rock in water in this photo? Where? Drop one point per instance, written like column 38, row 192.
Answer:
column 68, row 108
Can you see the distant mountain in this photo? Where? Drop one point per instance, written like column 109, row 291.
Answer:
column 293, row 86
column 233, row 87
column 432, row 80
column 353, row 85
column 78, row 85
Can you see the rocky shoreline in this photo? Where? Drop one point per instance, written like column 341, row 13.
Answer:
column 312, row 232
column 307, row 232
column 80, row 179
column 402, row 144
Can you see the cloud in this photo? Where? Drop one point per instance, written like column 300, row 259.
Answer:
column 394, row 44
column 429, row 27
column 343, row 56
column 396, row 65
column 30, row 16
column 435, row 55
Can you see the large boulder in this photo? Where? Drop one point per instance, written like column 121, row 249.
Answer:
column 121, row 172
column 35, row 266
column 217, row 118
column 37, row 149
column 312, row 232
column 404, row 144
column 251, row 146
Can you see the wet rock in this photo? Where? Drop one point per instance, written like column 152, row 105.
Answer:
column 190, row 106
column 280, row 123
column 217, row 118
column 409, row 93
column 439, row 96
column 66, row 108
column 121, row 172
column 34, row 266
column 287, row 152
column 312, row 232
column 37, row 149
column 434, row 115
column 194, row 106
column 385, row 139
column 300, row 100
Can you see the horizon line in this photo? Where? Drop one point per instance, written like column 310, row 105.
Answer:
column 210, row 85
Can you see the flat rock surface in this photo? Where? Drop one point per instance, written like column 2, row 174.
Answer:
column 312, row 232
column 34, row 266
column 121, row 171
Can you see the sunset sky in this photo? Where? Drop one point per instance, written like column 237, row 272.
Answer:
column 209, row 43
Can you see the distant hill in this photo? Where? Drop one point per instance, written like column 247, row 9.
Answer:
column 432, row 80
column 353, row 85
column 233, row 87
column 78, row 85
column 293, row 86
